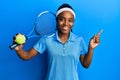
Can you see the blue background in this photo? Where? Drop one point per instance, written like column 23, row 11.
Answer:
column 92, row 15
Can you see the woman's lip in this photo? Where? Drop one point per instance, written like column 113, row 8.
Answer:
column 65, row 28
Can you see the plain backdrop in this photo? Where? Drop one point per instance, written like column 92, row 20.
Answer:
column 91, row 16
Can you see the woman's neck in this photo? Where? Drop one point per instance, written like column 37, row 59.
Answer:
column 63, row 37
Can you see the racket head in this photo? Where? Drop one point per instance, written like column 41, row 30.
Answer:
column 45, row 23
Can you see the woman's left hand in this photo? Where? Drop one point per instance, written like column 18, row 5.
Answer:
column 95, row 40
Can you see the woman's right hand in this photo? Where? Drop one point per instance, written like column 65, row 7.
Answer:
column 17, row 48
column 19, row 39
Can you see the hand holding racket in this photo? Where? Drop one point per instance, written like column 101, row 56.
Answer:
column 45, row 24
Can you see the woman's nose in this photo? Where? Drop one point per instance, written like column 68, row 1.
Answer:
column 66, row 23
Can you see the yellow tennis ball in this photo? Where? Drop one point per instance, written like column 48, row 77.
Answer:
column 20, row 39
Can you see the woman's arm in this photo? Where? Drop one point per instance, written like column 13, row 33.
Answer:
column 87, row 58
column 25, row 55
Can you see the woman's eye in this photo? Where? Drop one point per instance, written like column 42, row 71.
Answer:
column 61, row 19
column 71, row 20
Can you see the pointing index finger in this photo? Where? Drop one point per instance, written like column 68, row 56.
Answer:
column 99, row 33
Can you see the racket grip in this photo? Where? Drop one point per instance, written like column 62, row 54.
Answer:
column 13, row 46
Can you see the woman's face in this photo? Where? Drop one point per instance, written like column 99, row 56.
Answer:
column 65, row 22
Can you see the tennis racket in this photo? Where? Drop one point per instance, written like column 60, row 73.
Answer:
column 45, row 24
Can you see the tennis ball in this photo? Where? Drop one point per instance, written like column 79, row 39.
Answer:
column 20, row 39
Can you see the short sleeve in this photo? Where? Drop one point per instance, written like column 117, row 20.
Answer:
column 40, row 46
column 83, row 46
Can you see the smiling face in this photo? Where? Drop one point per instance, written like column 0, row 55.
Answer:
column 65, row 21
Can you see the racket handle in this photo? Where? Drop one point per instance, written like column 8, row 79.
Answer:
column 13, row 46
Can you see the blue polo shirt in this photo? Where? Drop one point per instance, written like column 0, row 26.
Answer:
column 62, row 58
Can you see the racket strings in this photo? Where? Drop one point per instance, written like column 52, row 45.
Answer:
column 45, row 23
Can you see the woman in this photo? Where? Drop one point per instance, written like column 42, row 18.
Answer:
column 64, row 48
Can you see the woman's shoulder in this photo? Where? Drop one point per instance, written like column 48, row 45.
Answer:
column 47, row 37
column 76, row 36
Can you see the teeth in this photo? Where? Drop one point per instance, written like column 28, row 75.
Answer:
column 66, row 28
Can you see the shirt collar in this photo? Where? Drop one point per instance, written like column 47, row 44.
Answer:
column 71, row 37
